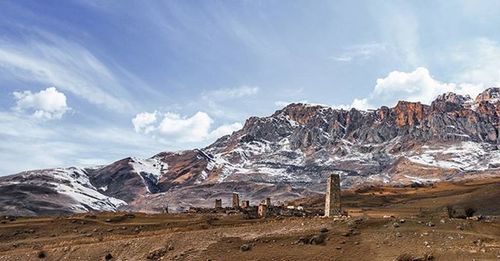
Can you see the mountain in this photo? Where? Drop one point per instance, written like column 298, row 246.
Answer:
column 286, row 155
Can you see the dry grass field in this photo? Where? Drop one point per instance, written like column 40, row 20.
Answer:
column 384, row 224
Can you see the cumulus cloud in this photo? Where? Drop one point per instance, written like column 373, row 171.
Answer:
column 197, row 128
column 231, row 93
column 189, row 129
column 47, row 104
column 414, row 86
column 144, row 122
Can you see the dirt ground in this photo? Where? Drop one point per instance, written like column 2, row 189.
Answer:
column 384, row 223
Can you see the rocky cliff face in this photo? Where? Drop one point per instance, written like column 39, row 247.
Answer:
column 289, row 154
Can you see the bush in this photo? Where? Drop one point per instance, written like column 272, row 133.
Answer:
column 451, row 212
column 469, row 211
column 456, row 213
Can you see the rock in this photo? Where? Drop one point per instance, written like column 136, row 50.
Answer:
column 157, row 254
column 398, row 234
column 303, row 240
column 317, row 240
column 323, row 230
column 430, row 224
column 345, row 234
column 402, row 221
column 245, row 247
column 108, row 256
column 460, row 228
column 396, row 225
column 42, row 254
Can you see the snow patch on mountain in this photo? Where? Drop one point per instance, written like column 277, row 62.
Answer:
column 75, row 183
column 151, row 166
column 464, row 156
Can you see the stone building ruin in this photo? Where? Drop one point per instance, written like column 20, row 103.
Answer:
column 236, row 200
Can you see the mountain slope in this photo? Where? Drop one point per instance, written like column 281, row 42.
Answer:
column 288, row 155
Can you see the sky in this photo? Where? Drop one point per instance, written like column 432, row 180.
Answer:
column 85, row 83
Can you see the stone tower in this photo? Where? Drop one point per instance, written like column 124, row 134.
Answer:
column 262, row 211
column 268, row 202
column 236, row 200
column 332, row 197
column 218, row 203
column 245, row 204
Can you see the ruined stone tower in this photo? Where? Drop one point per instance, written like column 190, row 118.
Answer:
column 268, row 202
column 262, row 211
column 245, row 204
column 332, row 197
column 236, row 200
column 218, row 203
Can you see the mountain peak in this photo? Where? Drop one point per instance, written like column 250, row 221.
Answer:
column 491, row 95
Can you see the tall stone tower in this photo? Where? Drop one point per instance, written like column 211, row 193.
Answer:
column 262, row 210
column 236, row 200
column 332, row 197
column 218, row 203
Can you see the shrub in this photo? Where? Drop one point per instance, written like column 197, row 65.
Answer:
column 469, row 211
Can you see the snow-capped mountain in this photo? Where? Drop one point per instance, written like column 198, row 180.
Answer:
column 286, row 155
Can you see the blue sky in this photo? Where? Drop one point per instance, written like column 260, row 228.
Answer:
column 90, row 82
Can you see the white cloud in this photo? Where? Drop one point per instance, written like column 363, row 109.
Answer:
column 188, row 129
column 414, row 86
column 181, row 129
column 225, row 130
column 231, row 93
column 479, row 68
column 46, row 104
column 144, row 122
column 50, row 60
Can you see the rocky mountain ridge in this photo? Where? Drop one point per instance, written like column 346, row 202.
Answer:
column 286, row 155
